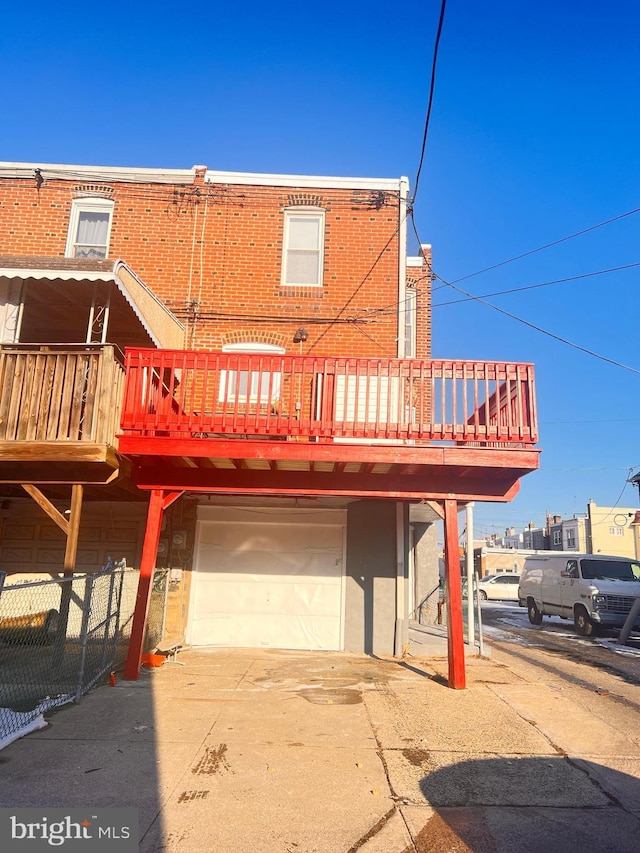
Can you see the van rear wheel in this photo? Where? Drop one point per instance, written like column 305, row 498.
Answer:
column 583, row 623
column 535, row 617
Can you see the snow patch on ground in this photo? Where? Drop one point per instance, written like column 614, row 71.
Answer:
column 517, row 617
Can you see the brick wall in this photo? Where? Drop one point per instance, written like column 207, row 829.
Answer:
column 420, row 279
column 213, row 254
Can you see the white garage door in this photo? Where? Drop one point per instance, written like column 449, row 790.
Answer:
column 268, row 578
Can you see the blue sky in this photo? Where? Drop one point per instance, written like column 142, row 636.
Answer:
column 533, row 137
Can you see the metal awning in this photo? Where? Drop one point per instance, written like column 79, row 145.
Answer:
column 68, row 299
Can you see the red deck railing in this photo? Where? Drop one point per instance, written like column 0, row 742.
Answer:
column 208, row 394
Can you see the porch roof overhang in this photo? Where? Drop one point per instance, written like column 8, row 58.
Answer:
column 137, row 316
column 320, row 469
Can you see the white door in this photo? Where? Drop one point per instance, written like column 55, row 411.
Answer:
column 267, row 579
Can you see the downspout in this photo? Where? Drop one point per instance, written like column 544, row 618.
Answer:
column 471, row 628
column 402, row 264
column 401, row 627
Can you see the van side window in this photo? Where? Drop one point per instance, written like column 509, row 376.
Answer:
column 572, row 568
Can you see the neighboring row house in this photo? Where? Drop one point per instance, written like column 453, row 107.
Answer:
column 601, row 530
column 230, row 374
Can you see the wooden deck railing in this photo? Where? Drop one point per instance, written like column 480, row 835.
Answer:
column 207, row 394
column 60, row 393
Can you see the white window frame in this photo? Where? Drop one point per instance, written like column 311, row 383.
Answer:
column 318, row 215
column 263, row 387
column 87, row 204
column 410, row 322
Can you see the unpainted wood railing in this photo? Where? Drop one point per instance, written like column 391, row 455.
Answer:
column 63, row 392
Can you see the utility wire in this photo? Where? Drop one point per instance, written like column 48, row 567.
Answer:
column 387, row 309
column 544, row 331
column 432, row 86
column 360, row 285
column 376, row 342
column 615, row 506
column 185, row 196
column 533, row 286
column 548, row 245
column 527, row 323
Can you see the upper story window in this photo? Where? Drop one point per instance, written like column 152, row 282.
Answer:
column 303, row 251
column 89, row 228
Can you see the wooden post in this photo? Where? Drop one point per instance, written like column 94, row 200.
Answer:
column 71, row 551
column 455, row 635
column 70, row 556
column 158, row 502
column 71, row 530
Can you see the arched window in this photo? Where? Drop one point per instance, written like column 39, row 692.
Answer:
column 255, row 386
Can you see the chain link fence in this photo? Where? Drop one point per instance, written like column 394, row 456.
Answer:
column 157, row 609
column 58, row 637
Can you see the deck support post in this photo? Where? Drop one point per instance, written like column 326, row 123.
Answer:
column 71, row 530
column 70, row 556
column 455, row 635
column 158, row 502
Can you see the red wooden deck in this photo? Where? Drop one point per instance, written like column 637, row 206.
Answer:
column 306, row 425
column 397, row 429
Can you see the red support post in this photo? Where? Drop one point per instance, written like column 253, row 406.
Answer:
column 455, row 635
column 147, row 566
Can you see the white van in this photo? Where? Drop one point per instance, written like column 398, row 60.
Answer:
column 594, row 590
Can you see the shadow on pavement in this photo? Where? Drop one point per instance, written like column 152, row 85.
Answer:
column 529, row 805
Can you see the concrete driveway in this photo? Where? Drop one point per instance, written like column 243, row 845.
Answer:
column 254, row 750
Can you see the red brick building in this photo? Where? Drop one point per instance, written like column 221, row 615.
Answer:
column 278, row 402
column 235, row 257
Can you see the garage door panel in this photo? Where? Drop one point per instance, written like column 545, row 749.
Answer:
column 257, row 598
column 324, row 566
column 293, row 633
column 268, row 584
column 269, row 537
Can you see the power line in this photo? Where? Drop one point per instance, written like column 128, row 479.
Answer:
column 187, row 196
column 394, row 306
column 533, row 286
column 603, row 421
column 376, row 342
column 548, row 245
column 545, row 331
column 361, row 284
column 615, row 506
column 432, row 86
column 527, row 323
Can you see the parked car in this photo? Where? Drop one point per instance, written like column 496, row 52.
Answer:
column 595, row 590
column 502, row 587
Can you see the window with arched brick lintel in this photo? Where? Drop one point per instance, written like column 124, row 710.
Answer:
column 303, row 247
column 255, row 386
column 89, row 227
